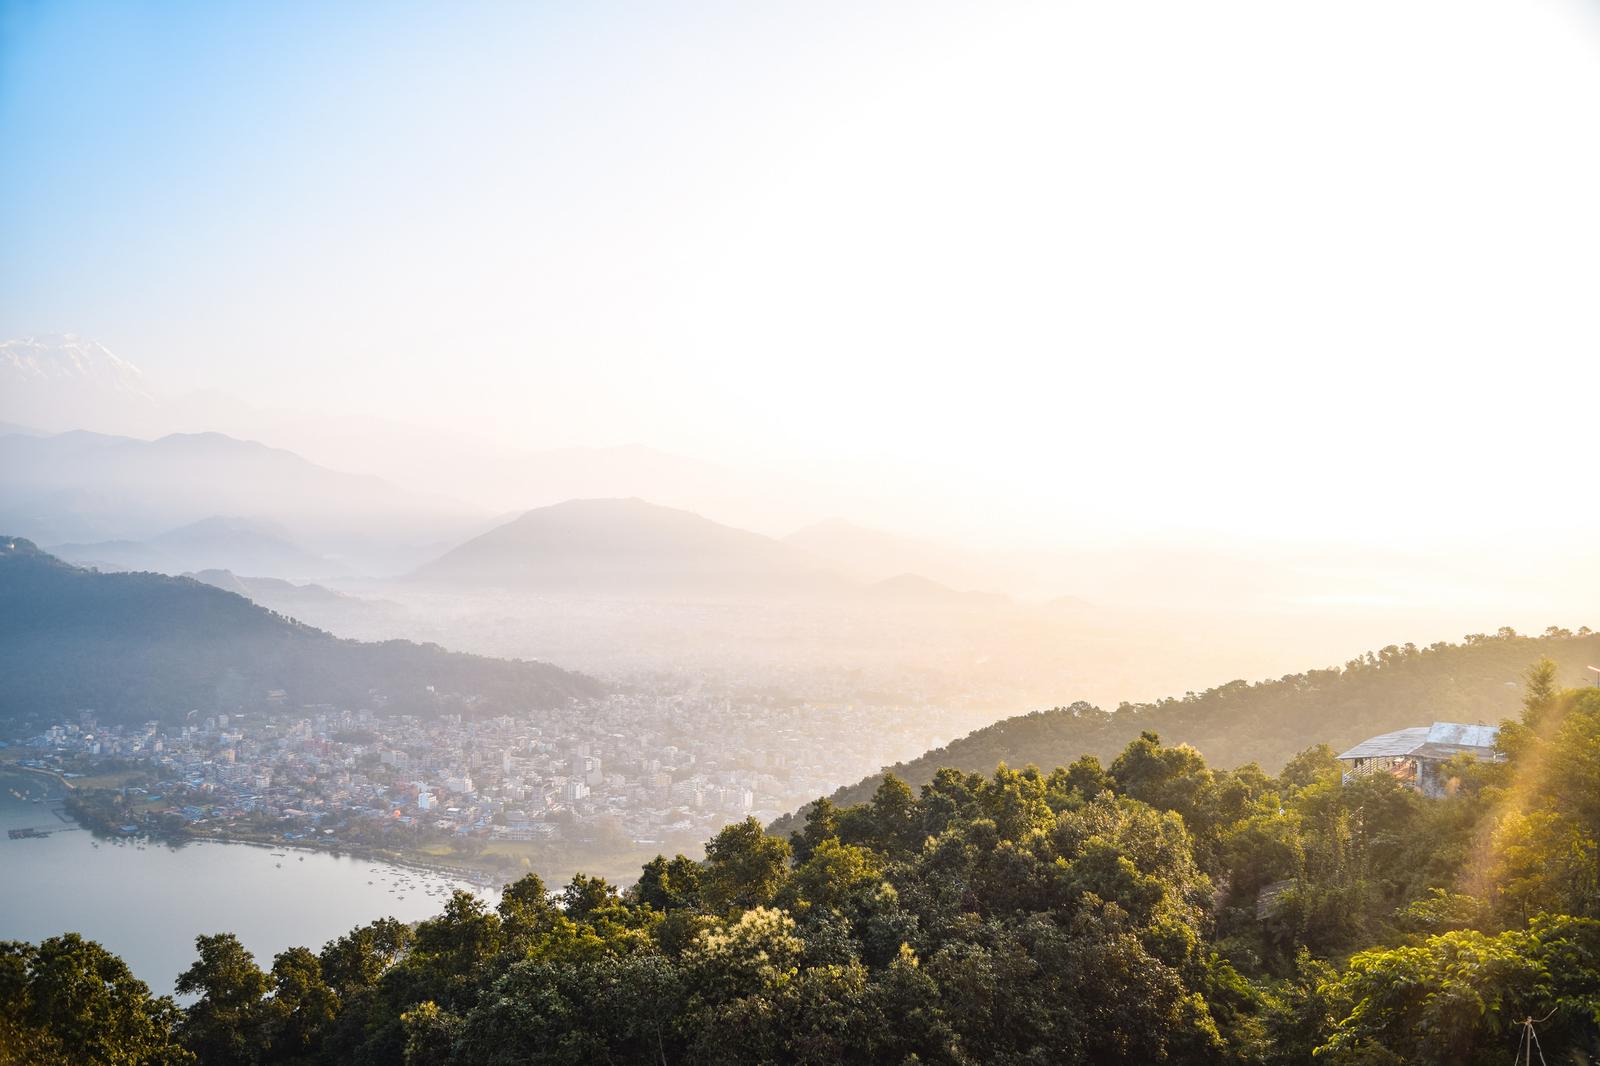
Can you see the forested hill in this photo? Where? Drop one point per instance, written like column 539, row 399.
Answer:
column 139, row 646
column 1267, row 722
column 1085, row 916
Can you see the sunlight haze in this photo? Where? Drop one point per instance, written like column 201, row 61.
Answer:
column 784, row 532
column 1149, row 266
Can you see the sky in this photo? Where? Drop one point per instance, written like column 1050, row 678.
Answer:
column 1243, row 268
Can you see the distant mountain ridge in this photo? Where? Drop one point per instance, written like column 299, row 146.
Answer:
column 61, row 381
column 136, row 646
column 64, row 382
column 255, row 587
column 253, row 546
column 88, row 488
column 68, row 357
column 305, row 602
column 627, row 546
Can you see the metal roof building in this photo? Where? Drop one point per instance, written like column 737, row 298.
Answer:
column 1414, row 755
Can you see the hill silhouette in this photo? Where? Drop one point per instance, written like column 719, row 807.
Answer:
column 627, row 546
column 1268, row 722
column 251, row 546
column 139, row 646
column 86, row 489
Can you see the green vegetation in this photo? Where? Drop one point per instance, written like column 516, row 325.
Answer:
column 1153, row 909
column 143, row 646
column 1268, row 722
column 69, row 1001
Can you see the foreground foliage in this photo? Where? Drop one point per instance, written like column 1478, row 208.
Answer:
column 1268, row 722
column 1151, row 910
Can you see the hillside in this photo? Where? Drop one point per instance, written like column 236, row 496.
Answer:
column 85, row 488
column 138, row 646
column 284, row 597
column 1270, row 721
column 1075, row 917
column 216, row 543
column 606, row 547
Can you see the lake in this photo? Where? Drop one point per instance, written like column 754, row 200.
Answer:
column 147, row 901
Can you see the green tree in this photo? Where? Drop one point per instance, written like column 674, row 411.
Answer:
column 301, row 1008
column 1169, row 779
column 669, row 884
column 893, row 815
column 1539, row 690
column 223, row 1026
column 624, row 1009
column 430, row 1034
column 69, row 1002
column 356, row 961
column 450, row 951
column 584, row 895
column 1460, row 997
column 821, row 823
column 1309, row 766
column 834, row 876
column 526, row 909
column 1088, row 778
column 744, row 867
column 1547, row 846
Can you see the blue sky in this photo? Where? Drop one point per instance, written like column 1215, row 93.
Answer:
column 158, row 146
column 1253, row 244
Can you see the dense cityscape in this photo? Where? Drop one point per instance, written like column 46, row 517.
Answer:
column 586, row 782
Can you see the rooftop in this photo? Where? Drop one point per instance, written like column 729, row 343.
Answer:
column 1438, row 741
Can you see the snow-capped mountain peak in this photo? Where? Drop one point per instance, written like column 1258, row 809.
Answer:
column 58, row 360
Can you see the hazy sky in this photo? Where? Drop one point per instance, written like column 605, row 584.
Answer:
column 1323, row 268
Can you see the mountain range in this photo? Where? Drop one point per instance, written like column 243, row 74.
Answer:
column 76, row 488
column 59, row 383
column 192, row 502
column 64, row 381
column 631, row 547
column 254, row 546
column 85, row 489
column 139, row 646
column 277, row 594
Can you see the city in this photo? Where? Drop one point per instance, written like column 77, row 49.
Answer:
column 585, row 786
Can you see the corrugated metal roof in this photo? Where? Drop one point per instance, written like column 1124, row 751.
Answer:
column 1440, row 740
column 1466, row 736
column 1400, row 742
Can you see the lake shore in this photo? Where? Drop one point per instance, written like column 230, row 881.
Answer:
column 500, row 863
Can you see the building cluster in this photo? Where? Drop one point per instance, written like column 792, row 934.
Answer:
column 643, row 768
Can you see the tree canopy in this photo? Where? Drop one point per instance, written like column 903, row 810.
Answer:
column 1153, row 909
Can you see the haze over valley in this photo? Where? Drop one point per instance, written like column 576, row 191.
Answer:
column 694, row 641
column 799, row 534
column 629, row 559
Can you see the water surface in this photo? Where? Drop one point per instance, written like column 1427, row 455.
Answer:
column 147, row 901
